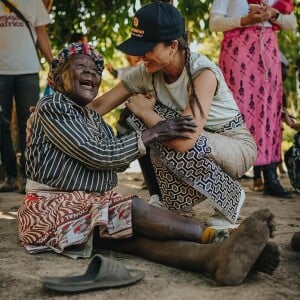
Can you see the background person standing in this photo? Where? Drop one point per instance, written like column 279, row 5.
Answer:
column 250, row 62
column 19, row 78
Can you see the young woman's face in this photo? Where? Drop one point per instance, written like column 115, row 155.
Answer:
column 157, row 59
column 81, row 79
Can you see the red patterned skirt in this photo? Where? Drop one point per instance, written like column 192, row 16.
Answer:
column 54, row 220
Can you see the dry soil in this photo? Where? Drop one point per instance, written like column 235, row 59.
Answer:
column 20, row 272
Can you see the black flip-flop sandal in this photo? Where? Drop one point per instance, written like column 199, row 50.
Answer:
column 101, row 273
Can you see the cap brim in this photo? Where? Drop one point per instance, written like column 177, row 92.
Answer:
column 136, row 47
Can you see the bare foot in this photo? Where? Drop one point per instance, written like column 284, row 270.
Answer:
column 268, row 260
column 237, row 254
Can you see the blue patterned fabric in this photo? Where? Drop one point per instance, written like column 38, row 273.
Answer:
column 187, row 178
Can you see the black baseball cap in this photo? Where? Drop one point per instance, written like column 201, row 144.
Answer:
column 153, row 23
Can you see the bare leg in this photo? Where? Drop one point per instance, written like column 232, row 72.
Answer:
column 155, row 223
column 228, row 262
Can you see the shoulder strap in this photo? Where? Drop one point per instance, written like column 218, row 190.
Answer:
column 21, row 17
column 15, row 10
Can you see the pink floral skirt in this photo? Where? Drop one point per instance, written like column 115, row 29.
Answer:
column 250, row 62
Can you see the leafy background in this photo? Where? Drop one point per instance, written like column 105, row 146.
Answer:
column 107, row 23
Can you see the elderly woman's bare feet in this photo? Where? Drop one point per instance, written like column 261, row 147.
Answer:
column 237, row 255
column 269, row 259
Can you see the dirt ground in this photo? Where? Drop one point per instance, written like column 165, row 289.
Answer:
column 20, row 272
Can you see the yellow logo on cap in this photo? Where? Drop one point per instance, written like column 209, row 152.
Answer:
column 135, row 22
column 136, row 31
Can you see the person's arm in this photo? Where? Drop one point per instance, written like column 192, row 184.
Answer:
column 44, row 43
column 94, row 147
column 218, row 22
column 141, row 107
column 106, row 102
column 222, row 23
column 285, row 22
column 206, row 79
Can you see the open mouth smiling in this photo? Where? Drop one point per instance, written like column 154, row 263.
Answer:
column 87, row 83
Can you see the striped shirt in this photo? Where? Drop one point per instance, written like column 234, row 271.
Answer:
column 72, row 148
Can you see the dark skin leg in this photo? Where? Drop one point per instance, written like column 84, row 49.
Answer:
column 227, row 262
column 158, row 224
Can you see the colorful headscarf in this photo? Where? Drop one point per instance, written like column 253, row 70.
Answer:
column 71, row 49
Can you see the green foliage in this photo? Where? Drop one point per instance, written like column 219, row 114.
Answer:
column 107, row 23
column 104, row 22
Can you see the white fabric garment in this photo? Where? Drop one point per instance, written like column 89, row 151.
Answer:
column 174, row 95
column 233, row 10
column 17, row 51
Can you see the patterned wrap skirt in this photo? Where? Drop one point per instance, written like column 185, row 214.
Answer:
column 58, row 221
column 207, row 171
column 250, row 62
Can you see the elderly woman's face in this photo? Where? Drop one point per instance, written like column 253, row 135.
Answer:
column 81, row 79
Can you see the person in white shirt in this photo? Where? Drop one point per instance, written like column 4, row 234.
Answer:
column 19, row 78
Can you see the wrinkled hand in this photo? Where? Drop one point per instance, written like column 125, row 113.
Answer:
column 169, row 129
column 29, row 125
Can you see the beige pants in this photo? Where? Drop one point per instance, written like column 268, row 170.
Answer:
column 234, row 150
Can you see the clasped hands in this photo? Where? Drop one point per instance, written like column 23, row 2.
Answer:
column 140, row 104
column 259, row 14
column 164, row 130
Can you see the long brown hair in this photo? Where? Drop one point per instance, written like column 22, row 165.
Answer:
column 184, row 46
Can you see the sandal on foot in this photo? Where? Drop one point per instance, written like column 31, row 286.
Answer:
column 220, row 222
column 101, row 273
column 215, row 235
